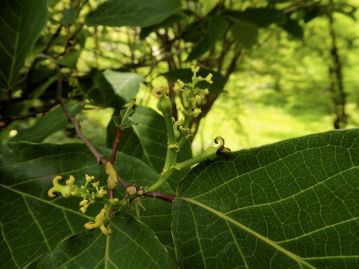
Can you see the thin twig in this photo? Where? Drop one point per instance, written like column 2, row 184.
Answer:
column 99, row 157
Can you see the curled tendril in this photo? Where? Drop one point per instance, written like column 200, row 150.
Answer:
column 219, row 141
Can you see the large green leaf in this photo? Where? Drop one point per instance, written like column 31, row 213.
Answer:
column 293, row 204
column 125, row 84
column 21, row 23
column 50, row 123
column 31, row 223
column 130, row 245
column 132, row 13
column 147, row 140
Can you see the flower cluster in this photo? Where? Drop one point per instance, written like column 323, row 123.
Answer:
column 191, row 98
column 89, row 192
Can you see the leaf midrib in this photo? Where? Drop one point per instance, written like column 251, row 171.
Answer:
column 264, row 239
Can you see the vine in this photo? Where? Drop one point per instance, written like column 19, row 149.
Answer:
column 188, row 98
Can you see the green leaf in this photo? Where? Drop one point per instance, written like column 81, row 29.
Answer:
column 70, row 59
column 21, row 23
column 132, row 13
column 293, row 204
column 170, row 21
column 124, row 119
column 130, row 245
column 99, row 90
column 294, row 28
column 157, row 214
column 185, row 74
column 279, row 1
column 245, row 33
column 261, row 17
column 46, row 125
column 125, row 84
column 69, row 16
column 33, row 224
column 214, row 29
column 147, row 140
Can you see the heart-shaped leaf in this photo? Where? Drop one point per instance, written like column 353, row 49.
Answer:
column 21, row 23
column 130, row 245
column 125, row 84
column 293, row 204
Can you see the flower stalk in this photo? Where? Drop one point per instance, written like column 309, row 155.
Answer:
column 178, row 132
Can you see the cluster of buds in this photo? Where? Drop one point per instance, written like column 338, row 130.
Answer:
column 191, row 98
column 88, row 193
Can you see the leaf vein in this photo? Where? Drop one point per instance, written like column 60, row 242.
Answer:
column 37, row 223
column 262, row 238
column 8, row 245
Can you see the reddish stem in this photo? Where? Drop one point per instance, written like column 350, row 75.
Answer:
column 115, row 144
column 160, row 195
column 113, row 154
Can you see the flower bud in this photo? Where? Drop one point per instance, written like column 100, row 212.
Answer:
column 70, row 181
column 164, row 104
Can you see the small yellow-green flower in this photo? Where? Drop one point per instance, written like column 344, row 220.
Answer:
column 194, row 69
column 65, row 190
column 89, row 178
column 209, row 78
column 178, row 86
column 99, row 223
column 101, row 193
